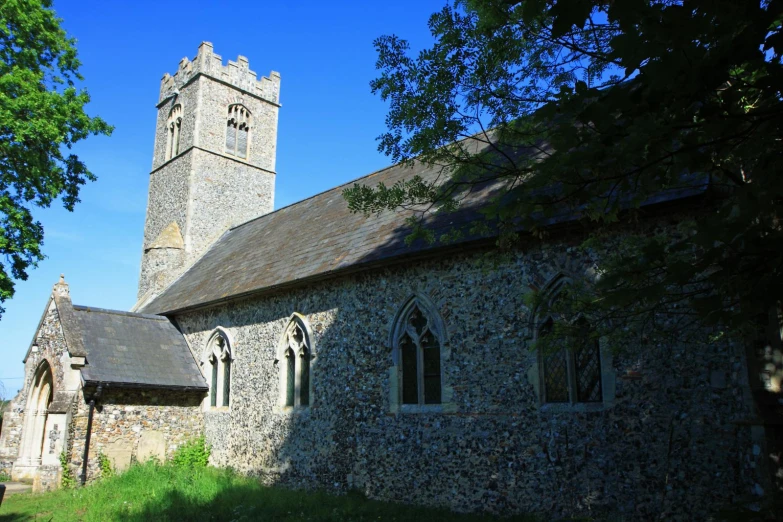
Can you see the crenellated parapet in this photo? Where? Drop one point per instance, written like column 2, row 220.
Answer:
column 237, row 74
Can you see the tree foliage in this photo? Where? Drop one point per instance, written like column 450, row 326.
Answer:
column 41, row 117
column 596, row 106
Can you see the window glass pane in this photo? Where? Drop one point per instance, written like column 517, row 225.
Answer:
column 231, row 138
column 555, row 366
column 177, row 130
column 410, row 391
column 290, row 381
column 556, row 376
column 213, row 388
column 304, row 380
column 431, row 355
column 170, row 141
column 226, row 381
column 242, row 143
column 587, row 363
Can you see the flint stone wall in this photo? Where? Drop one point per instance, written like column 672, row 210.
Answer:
column 10, row 436
column 667, row 444
column 133, row 425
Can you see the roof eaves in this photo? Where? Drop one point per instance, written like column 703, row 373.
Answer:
column 142, row 385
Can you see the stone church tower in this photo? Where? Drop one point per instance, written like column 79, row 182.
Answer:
column 213, row 164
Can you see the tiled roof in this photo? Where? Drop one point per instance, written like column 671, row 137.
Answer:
column 128, row 349
column 319, row 237
column 315, row 237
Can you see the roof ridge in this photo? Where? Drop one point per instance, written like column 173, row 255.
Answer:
column 155, row 317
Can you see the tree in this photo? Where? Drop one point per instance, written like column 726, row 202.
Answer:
column 594, row 106
column 41, row 117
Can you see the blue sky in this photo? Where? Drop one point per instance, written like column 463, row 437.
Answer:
column 326, row 136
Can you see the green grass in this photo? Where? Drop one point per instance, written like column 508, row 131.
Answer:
column 152, row 492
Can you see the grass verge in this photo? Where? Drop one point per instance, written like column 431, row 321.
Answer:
column 151, row 492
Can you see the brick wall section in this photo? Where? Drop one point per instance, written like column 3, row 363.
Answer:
column 668, row 444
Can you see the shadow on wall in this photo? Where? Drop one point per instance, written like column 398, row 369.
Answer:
column 498, row 449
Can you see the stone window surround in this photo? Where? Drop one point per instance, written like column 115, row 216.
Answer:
column 280, row 361
column 212, row 356
column 173, row 130
column 240, row 116
column 438, row 327
column 536, row 370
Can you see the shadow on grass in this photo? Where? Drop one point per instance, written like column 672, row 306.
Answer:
column 248, row 502
column 149, row 493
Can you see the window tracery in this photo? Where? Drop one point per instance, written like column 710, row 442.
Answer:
column 570, row 373
column 418, row 342
column 174, row 126
column 219, row 359
column 237, row 130
column 297, row 353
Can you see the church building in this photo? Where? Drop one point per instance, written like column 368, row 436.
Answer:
column 314, row 348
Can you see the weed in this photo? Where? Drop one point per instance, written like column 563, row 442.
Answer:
column 105, row 464
column 192, row 454
column 67, row 480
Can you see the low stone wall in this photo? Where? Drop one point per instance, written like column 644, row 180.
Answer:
column 134, row 425
column 10, row 436
column 47, row 478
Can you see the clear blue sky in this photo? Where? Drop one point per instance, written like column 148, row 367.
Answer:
column 327, row 128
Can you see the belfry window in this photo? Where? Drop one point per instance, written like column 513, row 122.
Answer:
column 296, row 348
column 219, row 359
column 418, row 342
column 174, row 127
column 237, row 130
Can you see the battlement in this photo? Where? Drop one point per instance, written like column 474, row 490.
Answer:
column 236, row 73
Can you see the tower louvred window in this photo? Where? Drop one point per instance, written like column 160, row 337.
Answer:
column 237, row 131
column 173, row 129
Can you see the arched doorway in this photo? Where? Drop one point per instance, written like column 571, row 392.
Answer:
column 36, row 412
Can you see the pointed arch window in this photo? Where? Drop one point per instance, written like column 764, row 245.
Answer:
column 571, row 369
column 417, row 344
column 174, row 127
column 296, row 351
column 219, row 358
column 237, row 130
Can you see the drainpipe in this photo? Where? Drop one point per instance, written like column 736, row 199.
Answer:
column 95, row 396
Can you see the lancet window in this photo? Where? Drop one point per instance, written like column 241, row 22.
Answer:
column 219, row 359
column 570, row 366
column 418, row 343
column 296, row 348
